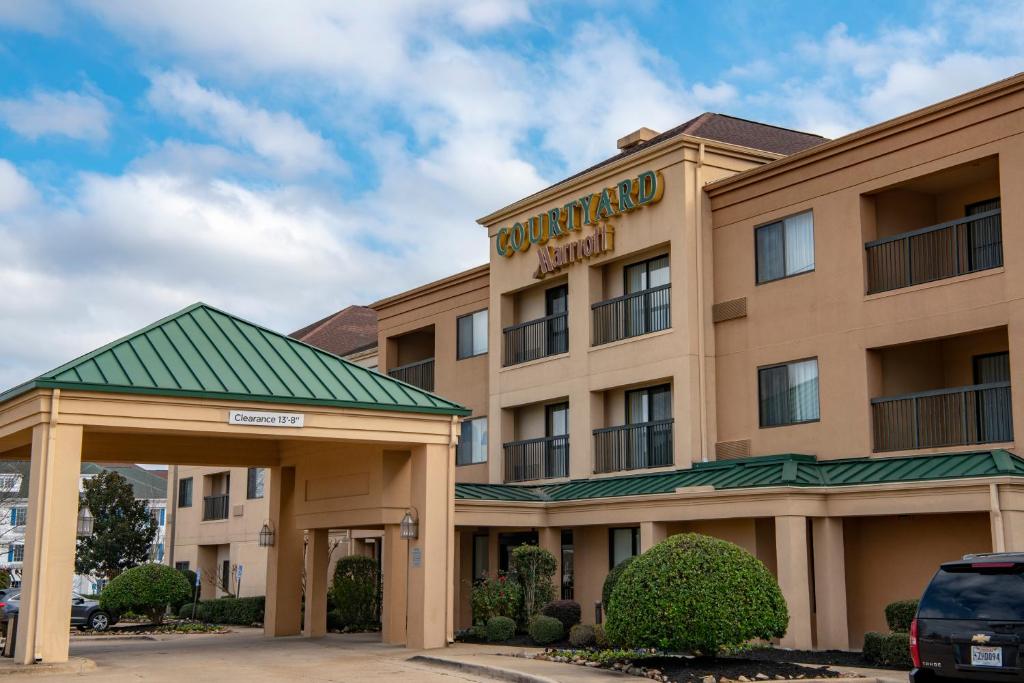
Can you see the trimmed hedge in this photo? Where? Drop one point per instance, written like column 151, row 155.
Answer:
column 612, row 579
column 185, row 611
column 357, row 591
column 696, row 594
column 888, row 649
column 545, row 630
column 899, row 615
column 566, row 611
column 601, row 638
column 500, row 629
column 146, row 589
column 237, row 611
column 533, row 567
column 581, row 635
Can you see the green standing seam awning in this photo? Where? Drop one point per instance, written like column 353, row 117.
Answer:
column 203, row 352
column 759, row 472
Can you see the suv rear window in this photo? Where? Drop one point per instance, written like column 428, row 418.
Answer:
column 974, row 594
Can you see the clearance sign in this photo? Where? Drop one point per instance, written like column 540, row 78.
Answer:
column 592, row 211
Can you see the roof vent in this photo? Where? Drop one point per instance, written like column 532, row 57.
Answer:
column 637, row 137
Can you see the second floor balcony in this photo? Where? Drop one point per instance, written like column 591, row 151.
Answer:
column 419, row 374
column 632, row 315
column 633, row 446
column 534, row 339
column 542, row 458
column 215, row 507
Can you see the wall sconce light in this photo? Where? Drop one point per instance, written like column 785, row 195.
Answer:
column 266, row 536
column 410, row 526
column 85, row 523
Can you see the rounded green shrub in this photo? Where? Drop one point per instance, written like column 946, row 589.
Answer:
column 357, row 591
column 545, row 630
column 581, row 635
column 696, row 594
column 500, row 629
column 601, row 638
column 612, row 579
column 185, row 611
column 566, row 611
column 147, row 589
column 334, row 620
column 887, row 649
column 899, row 615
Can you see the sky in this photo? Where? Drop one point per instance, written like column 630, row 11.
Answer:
column 282, row 160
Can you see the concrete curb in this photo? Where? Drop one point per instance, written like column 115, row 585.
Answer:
column 494, row 672
column 75, row 665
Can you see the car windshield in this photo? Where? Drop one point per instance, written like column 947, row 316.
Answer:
column 974, row 594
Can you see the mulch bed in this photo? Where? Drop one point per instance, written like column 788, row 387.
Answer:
column 697, row 669
column 830, row 657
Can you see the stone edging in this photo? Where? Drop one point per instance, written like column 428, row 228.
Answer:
column 494, row 672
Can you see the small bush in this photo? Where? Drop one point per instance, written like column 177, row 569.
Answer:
column 334, row 620
column 698, row 594
column 500, row 629
column 237, row 611
column 357, row 591
column 147, row 589
column 566, row 611
column 899, row 615
column 185, row 611
column 601, row 638
column 478, row 632
column 533, row 568
column 499, row 596
column 546, row 630
column 611, row 580
column 581, row 635
column 888, row 649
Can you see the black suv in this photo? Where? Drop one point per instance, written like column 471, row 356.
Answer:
column 970, row 624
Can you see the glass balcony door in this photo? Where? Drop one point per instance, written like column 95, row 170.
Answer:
column 652, row 446
column 646, row 314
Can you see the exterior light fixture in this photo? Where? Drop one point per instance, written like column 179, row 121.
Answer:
column 85, row 523
column 266, row 536
column 410, row 526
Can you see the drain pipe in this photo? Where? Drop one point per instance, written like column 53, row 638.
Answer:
column 453, row 441
column 698, row 196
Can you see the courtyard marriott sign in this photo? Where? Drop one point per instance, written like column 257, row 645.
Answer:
column 593, row 210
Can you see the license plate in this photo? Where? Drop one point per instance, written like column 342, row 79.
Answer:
column 986, row 656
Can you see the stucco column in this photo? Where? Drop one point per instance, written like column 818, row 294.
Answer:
column 1013, row 530
column 206, row 565
column 52, row 524
column 830, row 583
column 315, row 622
column 651, row 534
column 429, row 589
column 794, row 579
column 395, row 583
column 283, row 615
column 550, row 538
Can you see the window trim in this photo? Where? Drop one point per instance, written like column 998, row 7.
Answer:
column 611, row 543
column 469, row 315
column 782, row 220
column 783, row 364
column 481, row 462
column 191, row 491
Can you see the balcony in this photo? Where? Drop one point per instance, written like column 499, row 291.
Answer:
column 631, row 315
column 547, row 336
column 532, row 459
column 633, row 447
column 965, row 245
column 960, row 416
column 215, row 507
column 419, row 374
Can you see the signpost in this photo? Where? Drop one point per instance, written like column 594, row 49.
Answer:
column 195, row 597
column 238, row 581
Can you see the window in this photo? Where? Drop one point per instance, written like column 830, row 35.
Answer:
column 481, row 556
column 472, row 334
column 10, row 483
column 182, row 566
column 472, row 446
column 254, row 482
column 785, row 248
column 185, row 493
column 622, row 544
column 156, row 552
column 158, row 515
column 788, row 393
column 18, row 516
column 16, row 553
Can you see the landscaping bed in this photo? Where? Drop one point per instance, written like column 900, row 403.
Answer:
column 829, row 657
column 168, row 627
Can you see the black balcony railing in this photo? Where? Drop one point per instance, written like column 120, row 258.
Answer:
column 633, row 447
column 547, row 336
column 965, row 245
column 544, row 458
column 419, row 374
column 215, row 507
column 632, row 315
column 976, row 414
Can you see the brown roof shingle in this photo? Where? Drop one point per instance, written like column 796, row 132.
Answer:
column 349, row 330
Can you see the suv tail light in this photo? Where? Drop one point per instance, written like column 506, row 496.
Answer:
column 915, row 651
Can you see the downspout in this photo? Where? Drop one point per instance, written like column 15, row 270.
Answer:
column 453, row 441
column 172, row 515
column 701, row 333
column 998, row 537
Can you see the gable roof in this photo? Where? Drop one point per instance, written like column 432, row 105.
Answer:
column 203, row 352
column 773, row 470
column 349, row 330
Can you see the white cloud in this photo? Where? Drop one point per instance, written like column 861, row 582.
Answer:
column 16, row 191
column 40, row 16
column 69, row 114
column 277, row 136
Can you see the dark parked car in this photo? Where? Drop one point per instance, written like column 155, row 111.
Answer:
column 970, row 623
column 85, row 613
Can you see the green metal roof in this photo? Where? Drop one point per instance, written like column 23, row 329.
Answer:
column 203, row 352
column 775, row 470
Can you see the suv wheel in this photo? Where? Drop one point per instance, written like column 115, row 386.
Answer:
column 99, row 621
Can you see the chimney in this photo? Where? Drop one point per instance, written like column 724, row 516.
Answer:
column 637, row 137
